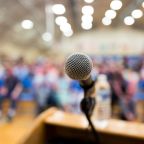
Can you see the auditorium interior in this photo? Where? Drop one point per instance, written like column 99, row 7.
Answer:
column 71, row 71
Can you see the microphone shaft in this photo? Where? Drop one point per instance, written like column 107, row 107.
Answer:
column 88, row 87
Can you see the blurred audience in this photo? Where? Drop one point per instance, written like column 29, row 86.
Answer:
column 45, row 83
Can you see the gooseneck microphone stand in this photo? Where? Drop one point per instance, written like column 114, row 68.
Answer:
column 87, row 106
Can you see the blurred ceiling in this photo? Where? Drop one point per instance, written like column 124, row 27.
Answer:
column 13, row 12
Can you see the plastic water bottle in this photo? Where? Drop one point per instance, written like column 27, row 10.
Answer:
column 102, row 111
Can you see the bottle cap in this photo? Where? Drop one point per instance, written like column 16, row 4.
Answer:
column 102, row 77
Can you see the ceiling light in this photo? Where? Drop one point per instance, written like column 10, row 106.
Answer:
column 137, row 13
column 60, row 20
column 111, row 14
column 89, row 1
column 129, row 20
column 27, row 24
column 143, row 4
column 106, row 21
column 88, row 18
column 87, row 10
column 47, row 36
column 65, row 27
column 116, row 4
column 86, row 22
column 68, row 34
column 86, row 26
column 58, row 9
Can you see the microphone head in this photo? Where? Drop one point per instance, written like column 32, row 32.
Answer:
column 78, row 66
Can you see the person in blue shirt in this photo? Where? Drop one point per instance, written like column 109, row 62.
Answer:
column 10, row 89
column 27, row 84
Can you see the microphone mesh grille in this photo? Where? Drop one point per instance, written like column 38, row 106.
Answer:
column 78, row 66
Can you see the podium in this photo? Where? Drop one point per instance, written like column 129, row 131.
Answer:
column 57, row 127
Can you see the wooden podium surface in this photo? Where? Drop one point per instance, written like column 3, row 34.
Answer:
column 114, row 126
column 55, row 124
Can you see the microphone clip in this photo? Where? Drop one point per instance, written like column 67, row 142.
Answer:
column 86, row 87
column 87, row 105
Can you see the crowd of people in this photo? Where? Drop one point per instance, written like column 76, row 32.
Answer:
column 45, row 83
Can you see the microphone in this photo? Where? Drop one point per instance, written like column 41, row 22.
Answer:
column 78, row 66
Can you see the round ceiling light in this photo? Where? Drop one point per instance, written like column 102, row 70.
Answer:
column 116, row 4
column 137, row 13
column 68, row 34
column 87, row 10
column 143, row 4
column 88, row 18
column 47, row 36
column 111, row 14
column 60, row 20
column 129, row 20
column 65, row 27
column 106, row 21
column 27, row 24
column 86, row 26
column 58, row 9
column 89, row 1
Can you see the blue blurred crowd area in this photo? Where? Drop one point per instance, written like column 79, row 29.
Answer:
column 43, row 82
column 46, row 83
